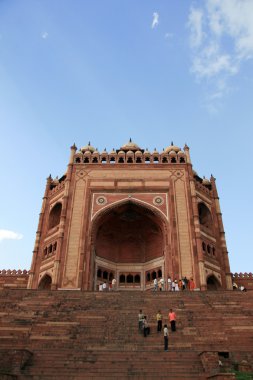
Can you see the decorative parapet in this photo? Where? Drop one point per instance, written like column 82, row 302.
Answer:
column 245, row 279
column 243, row 275
column 14, row 272
column 129, row 157
column 57, row 188
column 12, row 278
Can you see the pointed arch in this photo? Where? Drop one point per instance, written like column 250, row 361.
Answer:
column 45, row 282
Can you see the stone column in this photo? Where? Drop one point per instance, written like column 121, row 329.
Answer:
column 201, row 264
column 224, row 251
column 62, row 224
column 35, row 258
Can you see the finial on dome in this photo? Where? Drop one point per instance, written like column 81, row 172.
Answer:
column 130, row 140
column 172, row 143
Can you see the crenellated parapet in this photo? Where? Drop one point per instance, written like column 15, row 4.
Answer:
column 12, row 278
column 245, row 279
column 130, row 153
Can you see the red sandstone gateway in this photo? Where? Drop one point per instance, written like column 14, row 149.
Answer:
column 131, row 215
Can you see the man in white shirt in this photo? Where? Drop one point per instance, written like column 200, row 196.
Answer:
column 166, row 337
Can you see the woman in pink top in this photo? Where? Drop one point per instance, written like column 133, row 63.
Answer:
column 172, row 319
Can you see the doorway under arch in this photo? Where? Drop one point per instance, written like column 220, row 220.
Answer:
column 128, row 241
column 45, row 283
column 213, row 283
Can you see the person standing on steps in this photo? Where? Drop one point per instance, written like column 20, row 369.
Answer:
column 159, row 319
column 155, row 285
column 166, row 337
column 172, row 319
column 146, row 328
column 140, row 317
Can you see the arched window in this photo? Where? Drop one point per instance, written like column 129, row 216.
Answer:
column 86, row 160
column 111, row 276
column 204, row 246
column 105, row 275
column 173, row 160
column 121, row 160
column 95, row 160
column 55, row 246
column 45, row 283
column 208, row 248
column 165, row 160
column 148, row 277
column 99, row 273
column 159, row 273
column 182, row 160
column 137, row 279
column 122, row 278
column 138, row 160
column 78, row 160
column 130, row 279
column 129, row 160
column 54, row 216
column 153, row 275
column 205, row 218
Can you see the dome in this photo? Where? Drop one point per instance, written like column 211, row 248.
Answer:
column 180, row 152
column 206, row 181
column 96, row 151
column 113, row 151
column 88, row 148
column 130, row 146
column 129, row 153
column 138, row 153
column 155, row 151
column 121, row 152
column 172, row 147
column 104, row 151
column 171, row 152
column 147, row 151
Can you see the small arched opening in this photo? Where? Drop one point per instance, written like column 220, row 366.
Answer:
column 55, row 215
column 205, row 218
column 212, row 283
column 45, row 283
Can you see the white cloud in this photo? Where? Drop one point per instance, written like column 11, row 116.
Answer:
column 155, row 21
column 195, row 21
column 9, row 235
column 221, row 40
column 44, row 35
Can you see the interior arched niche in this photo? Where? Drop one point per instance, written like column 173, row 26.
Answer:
column 129, row 233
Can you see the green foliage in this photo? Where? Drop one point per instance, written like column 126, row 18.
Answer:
column 243, row 375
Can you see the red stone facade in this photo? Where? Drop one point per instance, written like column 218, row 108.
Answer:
column 130, row 215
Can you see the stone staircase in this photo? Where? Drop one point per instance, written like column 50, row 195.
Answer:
column 51, row 335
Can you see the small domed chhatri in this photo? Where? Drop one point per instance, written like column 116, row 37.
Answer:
column 172, row 147
column 88, row 148
column 130, row 146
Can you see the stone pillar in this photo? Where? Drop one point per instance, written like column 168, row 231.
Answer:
column 201, row 264
column 224, row 251
column 38, row 236
column 62, row 224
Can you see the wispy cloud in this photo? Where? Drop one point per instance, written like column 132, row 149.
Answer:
column 10, row 235
column 155, row 20
column 221, row 39
column 44, row 35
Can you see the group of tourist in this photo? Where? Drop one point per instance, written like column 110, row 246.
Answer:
column 174, row 285
column 104, row 287
column 144, row 327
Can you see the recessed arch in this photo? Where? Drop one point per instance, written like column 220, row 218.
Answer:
column 55, row 215
column 45, row 283
column 205, row 217
column 213, row 283
column 128, row 233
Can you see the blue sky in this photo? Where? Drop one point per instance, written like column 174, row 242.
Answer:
column 106, row 70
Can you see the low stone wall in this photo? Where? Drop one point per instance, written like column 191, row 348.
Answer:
column 245, row 279
column 13, row 278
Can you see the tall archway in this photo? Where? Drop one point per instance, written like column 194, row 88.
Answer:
column 213, row 283
column 129, row 241
column 45, row 283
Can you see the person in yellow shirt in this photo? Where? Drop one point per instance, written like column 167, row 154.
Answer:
column 159, row 319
